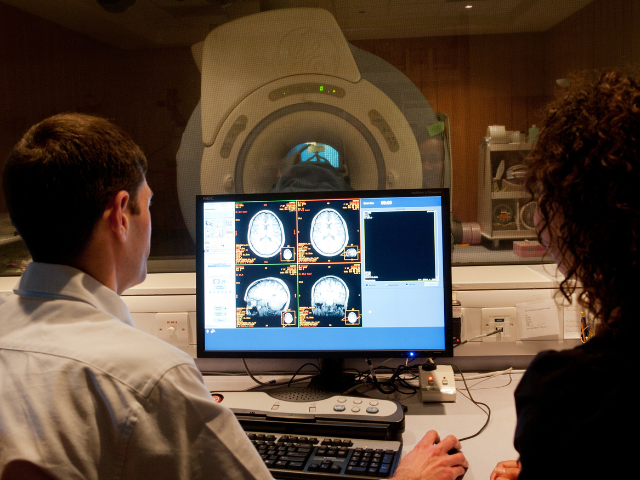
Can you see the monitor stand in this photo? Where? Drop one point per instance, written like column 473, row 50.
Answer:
column 331, row 381
column 332, row 377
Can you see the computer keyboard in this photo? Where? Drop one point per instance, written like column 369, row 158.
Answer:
column 294, row 456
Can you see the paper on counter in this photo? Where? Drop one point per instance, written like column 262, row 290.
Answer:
column 538, row 319
column 572, row 321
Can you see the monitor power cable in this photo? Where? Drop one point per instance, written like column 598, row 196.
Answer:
column 273, row 383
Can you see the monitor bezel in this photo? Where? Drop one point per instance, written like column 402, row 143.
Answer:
column 443, row 193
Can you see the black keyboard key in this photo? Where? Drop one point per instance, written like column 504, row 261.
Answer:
column 295, row 465
column 304, row 450
column 335, row 469
column 353, row 463
column 342, row 453
column 384, row 470
column 291, row 459
column 314, row 467
column 356, row 470
column 388, row 458
column 363, row 464
column 313, row 441
column 269, row 463
column 372, row 472
column 281, row 464
column 296, row 455
column 321, row 452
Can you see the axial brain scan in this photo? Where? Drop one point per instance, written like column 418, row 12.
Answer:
column 266, row 234
column 267, row 297
column 329, row 232
column 329, row 296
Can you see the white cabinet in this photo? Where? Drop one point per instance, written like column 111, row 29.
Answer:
column 505, row 210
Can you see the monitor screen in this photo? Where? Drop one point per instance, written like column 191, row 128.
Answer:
column 324, row 274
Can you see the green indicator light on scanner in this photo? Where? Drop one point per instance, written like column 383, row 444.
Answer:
column 321, row 88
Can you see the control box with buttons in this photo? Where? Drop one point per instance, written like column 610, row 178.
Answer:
column 341, row 414
column 437, row 385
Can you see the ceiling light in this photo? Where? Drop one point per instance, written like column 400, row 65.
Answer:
column 469, row 6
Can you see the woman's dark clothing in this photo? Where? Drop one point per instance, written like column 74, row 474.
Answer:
column 577, row 413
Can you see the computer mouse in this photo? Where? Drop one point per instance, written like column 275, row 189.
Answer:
column 453, row 451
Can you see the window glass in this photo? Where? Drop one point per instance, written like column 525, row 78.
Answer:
column 250, row 96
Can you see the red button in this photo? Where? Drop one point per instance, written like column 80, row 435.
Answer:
column 216, row 397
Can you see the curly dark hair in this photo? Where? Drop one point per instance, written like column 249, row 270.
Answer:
column 585, row 175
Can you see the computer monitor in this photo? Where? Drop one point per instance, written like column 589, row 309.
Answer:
column 324, row 274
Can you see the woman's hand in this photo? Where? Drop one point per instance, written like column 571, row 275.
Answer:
column 507, row 470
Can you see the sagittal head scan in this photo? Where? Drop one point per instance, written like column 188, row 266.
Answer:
column 329, row 297
column 329, row 233
column 266, row 234
column 267, row 297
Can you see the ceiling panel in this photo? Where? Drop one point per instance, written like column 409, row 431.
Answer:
column 158, row 23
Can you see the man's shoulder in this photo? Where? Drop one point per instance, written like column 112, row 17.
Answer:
column 94, row 340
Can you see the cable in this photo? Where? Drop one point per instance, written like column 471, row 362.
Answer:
column 492, row 374
column 298, row 371
column 495, row 332
column 269, row 384
column 488, row 412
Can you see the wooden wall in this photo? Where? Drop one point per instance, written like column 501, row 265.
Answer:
column 479, row 81
column 603, row 35
column 46, row 69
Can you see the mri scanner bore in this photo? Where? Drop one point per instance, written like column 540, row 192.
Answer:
column 287, row 104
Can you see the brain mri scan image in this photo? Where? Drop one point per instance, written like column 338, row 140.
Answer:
column 352, row 318
column 351, row 253
column 267, row 297
column 329, row 297
column 266, row 234
column 288, row 318
column 329, row 232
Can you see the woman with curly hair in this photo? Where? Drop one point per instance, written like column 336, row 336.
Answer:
column 574, row 408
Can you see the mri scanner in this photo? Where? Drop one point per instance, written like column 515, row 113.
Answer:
column 283, row 85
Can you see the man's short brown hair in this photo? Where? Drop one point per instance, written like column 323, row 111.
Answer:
column 60, row 177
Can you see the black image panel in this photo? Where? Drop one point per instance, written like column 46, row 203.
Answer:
column 329, row 231
column 266, row 296
column 400, row 246
column 265, row 232
column 330, row 295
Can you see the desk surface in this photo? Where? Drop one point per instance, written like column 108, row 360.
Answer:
column 460, row 418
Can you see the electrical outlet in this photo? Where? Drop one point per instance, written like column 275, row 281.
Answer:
column 499, row 318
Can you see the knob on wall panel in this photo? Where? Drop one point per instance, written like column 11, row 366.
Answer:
column 173, row 328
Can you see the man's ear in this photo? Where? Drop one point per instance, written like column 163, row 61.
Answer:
column 118, row 215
